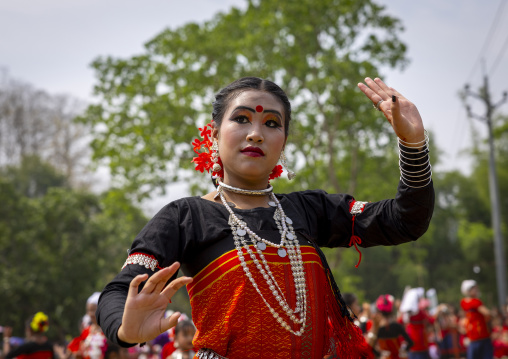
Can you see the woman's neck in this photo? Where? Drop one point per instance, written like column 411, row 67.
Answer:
column 242, row 201
column 252, row 184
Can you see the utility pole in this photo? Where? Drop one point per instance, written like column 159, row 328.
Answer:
column 484, row 96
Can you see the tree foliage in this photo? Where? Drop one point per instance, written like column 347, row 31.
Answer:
column 317, row 51
column 58, row 245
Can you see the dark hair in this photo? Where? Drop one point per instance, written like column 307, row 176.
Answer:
column 184, row 325
column 224, row 96
column 349, row 298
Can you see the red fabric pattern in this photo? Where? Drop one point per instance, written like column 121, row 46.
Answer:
column 476, row 325
column 233, row 320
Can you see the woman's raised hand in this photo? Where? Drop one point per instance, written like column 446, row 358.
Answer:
column 143, row 316
column 401, row 113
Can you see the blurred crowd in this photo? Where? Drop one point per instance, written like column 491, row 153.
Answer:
column 415, row 326
column 92, row 343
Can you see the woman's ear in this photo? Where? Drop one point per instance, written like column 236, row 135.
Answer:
column 215, row 131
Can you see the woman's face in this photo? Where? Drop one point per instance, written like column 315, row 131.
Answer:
column 184, row 338
column 251, row 138
column 91, row 308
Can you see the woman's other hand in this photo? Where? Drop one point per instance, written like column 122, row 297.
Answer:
column 143, row 316
column 401, row 113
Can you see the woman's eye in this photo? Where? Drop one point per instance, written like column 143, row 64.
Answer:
column 241, row 119
column 272, row 123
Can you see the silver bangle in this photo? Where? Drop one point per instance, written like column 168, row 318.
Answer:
column 413, row 181
column 424, row 150
column 413, row 159
column 426, row 139
column 425, row 185
column 405, row 173
column 412, row 165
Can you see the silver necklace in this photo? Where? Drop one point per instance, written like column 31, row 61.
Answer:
column 289, row 240
column 248, row 192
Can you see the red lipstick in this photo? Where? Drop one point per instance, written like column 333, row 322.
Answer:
column 253, row 151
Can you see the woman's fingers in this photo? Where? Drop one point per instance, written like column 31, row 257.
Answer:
column 133, row 286
column 159, row 279
column 374, row 97
column 374, row 86
column 164, row 275
column 378, row 93
column 382, row 87
column 167, row 323
column 395, row 110
column 173, row 287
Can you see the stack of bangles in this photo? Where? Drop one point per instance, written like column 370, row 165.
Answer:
column 414, row 163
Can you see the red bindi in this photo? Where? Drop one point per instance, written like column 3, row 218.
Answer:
column 259, row 108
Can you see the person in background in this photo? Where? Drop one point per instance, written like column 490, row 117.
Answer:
column 184, row 333
column 418, row 322
column 392, row 339
column 475, row 323
column 499, row 335
column 92, row 343
column 449, row 337
column 36, row 345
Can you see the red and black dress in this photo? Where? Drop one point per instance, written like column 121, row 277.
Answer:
column 32, row 350
column 230, row 316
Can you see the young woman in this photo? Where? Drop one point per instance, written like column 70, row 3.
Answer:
column 36, row 345
column 258, row 283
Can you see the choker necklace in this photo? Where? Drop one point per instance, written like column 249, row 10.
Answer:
column 248, row 192
column 289, row 246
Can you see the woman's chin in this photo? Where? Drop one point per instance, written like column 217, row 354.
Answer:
column 249, row 176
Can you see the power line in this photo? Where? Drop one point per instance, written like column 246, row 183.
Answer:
column 489, row 37
column 499, row 56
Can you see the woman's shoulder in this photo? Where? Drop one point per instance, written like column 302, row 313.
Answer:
column 309, row 193
column 314, row 196
column 188, row 203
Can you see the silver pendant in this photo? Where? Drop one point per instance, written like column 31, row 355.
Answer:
column 261, row 246
column 288, row 220
column 241, row 232
column 290, row 236
column 272, row 203
column 281, row 252
column 231, row 204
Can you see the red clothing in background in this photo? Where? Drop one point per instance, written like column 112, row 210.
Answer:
column 416, row 328
column 476, row 325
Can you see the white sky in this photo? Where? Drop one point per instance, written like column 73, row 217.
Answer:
column 51, row 43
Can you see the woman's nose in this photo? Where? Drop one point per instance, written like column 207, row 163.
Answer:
column 255, row 134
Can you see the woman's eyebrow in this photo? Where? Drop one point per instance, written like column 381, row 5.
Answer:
column 274, row 111
column 244, row 108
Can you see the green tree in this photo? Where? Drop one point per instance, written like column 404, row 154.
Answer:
column 58, row 246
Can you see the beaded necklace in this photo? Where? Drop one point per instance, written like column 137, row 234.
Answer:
column 288, row 245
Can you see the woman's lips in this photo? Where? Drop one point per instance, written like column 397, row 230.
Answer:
column 252, row 154
column 253, row 151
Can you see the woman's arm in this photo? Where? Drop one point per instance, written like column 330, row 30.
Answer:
column 132, row 306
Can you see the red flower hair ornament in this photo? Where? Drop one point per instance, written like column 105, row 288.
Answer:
column 204, row 162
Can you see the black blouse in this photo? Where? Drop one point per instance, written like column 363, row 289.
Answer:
column 195, row 231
